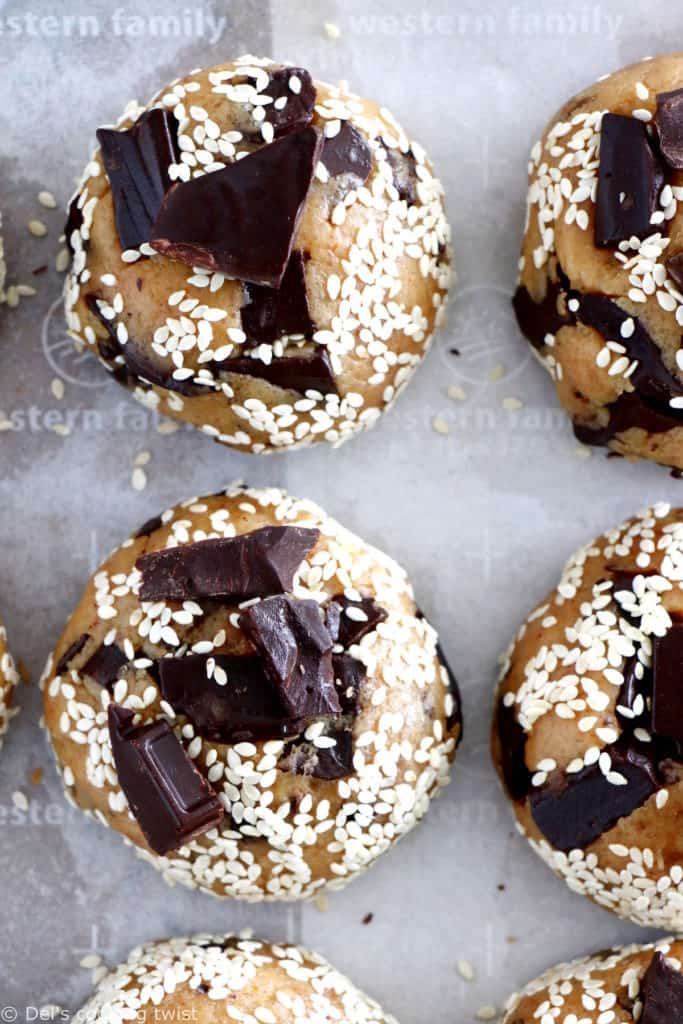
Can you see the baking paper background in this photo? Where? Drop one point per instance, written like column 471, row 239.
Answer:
column 482, row 518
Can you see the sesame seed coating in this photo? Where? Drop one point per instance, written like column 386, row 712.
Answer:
column 285, row 835
column 376, row 274
column 210, row 977
column 562, row 688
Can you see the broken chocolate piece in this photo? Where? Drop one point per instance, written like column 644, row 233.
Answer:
column 348, row 629
column 455, row 717
column 349, row 676
column 70, row 653
column 539, row 319
column 299, row 102
column 74, row 222
column 311, row 372
column 669, row 125
column 667, row 690
column 272, row 313
column 296, row 649
column 512, row 741
column 630, row 178
column 254, row 564
column 335, row 762
column 246, row 707
column 347, row 152
column 104, row 665
column 674, row 268
column 171, row 802
column 241, row 221
column 403, row 166
column 572, row 811
column 661, row 992
column 631, row 688
column 137, row 161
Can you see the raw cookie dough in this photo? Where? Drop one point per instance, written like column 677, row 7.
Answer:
column 224, row 977
column 212, row 332
column 600, row 293
column 619, row 986
column 308, row 730
column 9, row 678
column 587, row 738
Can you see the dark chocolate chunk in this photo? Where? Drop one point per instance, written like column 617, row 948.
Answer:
column 247, row 707
column 310, row 372
column 296, row 649
column 170, row 800
column 661, row 991
column 674, row 268
column 136, row 161
column 455, row 717
column 667, row 689
column 512, row 740
column 632, row 687
column 104, row 665
column 149, row 527
column 297, row 111
column 254, row 564
column 669, row 125
column 271, row 313
column 347, row 152
column 74, row 222
column 334, row 762
column 405, row 177
column 70, row 653
column 630, row 178
column 347, row 630
column 572, row 811
column 241, row 221
column 349, row 676
column 538, row 319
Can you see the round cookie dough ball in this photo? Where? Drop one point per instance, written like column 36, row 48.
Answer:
column 600, row 293
column 9, row 678
column 271, row 303
column 588, row 734
column 224, row 977
column 249, row 694
column 626, row 983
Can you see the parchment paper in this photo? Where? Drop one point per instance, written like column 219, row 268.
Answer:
column 482, row 517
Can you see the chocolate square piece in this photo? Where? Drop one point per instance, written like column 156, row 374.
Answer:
column 271, row 313
column 661, row 991
column 170, row 800
column 667, row 688
column 572, row 811
column 104, row 665
column 254, row 564
column 241, row 221
column 349, row 676
column 669, row 125
column 335, row 762
column 136, row 161
column 297, row 654
column 630, row 178
column 309, row 372
column 347, row 629
column 512, row 737
column 246, row 707
column 297, row 111
column 70, row 653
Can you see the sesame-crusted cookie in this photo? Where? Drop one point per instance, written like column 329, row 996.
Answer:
column 211, row 978
column 9, row 678
column 259, row 254
column 588, row 734
column 249, row 694
column 618, row 986
column 600, row 293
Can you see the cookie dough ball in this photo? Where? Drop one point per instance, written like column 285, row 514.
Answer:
column 248, row 693
column 588, row 732
column 600, row 293
column 626, row 983
column 8, row 680
column 259, row 254
column 224, row 977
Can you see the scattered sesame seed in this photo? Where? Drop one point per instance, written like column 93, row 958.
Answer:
column 496, row 373
column 20, row 800
column 512, row 404
column 457, row 393
column 440, row 425
column 57, row 388
column 465, row 970
column 37, row 228
column 332, row 31
column 47, row 200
